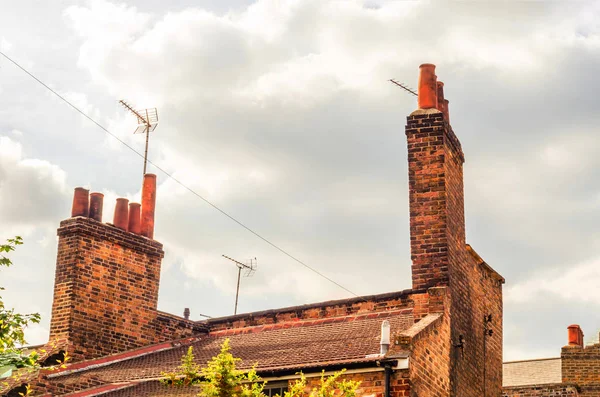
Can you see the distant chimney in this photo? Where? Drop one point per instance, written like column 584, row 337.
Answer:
column 575, row 335
column 186, row 313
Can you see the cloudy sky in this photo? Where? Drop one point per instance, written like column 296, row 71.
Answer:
column 280, row 113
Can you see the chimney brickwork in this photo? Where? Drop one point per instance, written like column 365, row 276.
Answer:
column 581, row 364
column 439, row 253
column 106, row 288
column 107, row 281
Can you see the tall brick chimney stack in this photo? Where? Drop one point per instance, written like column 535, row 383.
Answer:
column 435, row 178
column 440, row 256
column 107, row 276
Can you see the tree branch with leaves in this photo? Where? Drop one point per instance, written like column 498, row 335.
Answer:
column 13, row 324
column 221, row 378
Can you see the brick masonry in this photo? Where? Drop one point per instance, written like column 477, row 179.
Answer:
column 441, row 257
column 581, row 366
column 106, row 291
column 553, row 390
column 338, row 308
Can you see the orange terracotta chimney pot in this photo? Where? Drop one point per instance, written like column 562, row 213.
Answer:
column 440, row 96
column 446, row 111
column 427, row 87
column 134, row 218
column 148, row 205
column 575, row 335
column 81, row 199
column 96, row 203
column 121, row 218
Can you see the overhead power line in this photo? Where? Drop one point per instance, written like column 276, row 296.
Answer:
column 169, row 175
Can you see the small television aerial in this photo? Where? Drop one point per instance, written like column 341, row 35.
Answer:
column 147, row 122
column 249, row 270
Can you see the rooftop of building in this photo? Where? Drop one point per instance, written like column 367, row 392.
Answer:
column 532, row 372
column 273, row 348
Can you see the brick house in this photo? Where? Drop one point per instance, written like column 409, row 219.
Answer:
column 576, row 373
column 445, row 332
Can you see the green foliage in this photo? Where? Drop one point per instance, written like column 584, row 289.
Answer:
column 188, row 374
column 12, row 324
column 220, row 378
column 329, row 386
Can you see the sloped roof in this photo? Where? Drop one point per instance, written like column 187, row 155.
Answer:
column 275, row 347
column 152, row 388
column 532, row 372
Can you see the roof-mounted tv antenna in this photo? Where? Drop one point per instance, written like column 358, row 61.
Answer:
column 405, row 87
column 147, row 122
column 249, row 269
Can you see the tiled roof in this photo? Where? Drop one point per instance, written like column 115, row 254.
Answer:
column 281, row 346
column 152, row 388
column 532, row 372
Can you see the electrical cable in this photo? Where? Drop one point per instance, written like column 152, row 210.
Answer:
column 169, row 175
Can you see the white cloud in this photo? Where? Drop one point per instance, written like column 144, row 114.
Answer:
column 578, row 283
column 31, row 190
column 5, row 45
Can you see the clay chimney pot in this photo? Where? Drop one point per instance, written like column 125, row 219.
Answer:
column 134, row 218
column 148, row 205
column 121, row 218
column 81, row 199
column 427, row 87
column 96, row 203
column 575, row 335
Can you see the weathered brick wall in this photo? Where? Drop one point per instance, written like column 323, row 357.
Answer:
column 337, row 308
column 559, row 390
column 430, row 360
column 372, row 384
column 427, row 200
column 581, row 366
column 440, row 256
column 106, row 291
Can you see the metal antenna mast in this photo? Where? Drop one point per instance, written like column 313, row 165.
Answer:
column 404, row 87
column 250, row 269
column 147, row 122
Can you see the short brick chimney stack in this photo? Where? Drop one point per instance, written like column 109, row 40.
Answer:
column 107, row 277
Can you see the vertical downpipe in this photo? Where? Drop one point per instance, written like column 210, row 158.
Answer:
column 388, row 375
